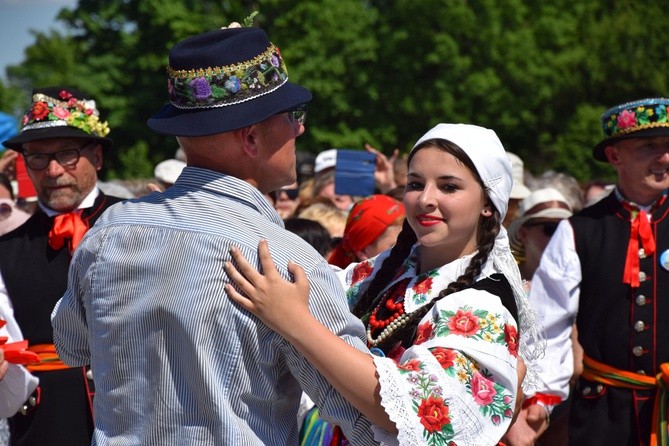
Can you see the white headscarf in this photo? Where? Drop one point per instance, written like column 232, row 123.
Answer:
column 493, row 166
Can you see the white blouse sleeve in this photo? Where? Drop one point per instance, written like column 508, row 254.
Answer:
column 18, row 384
column 554, row 296
column 458, row 381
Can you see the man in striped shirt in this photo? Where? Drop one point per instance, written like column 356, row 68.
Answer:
column 175, row 361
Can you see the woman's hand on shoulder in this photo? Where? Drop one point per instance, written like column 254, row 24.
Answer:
column 279, row 303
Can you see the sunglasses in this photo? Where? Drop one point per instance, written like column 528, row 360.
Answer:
column 548, row 227
column 5, row 211
column 299, row 114
column 290, row 193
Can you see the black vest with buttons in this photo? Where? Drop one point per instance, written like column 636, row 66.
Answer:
column 36, row 277
column 624, row 327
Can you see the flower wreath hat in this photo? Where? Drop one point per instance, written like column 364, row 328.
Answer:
column 224, row 80
column 60, row 112
column 643, row 118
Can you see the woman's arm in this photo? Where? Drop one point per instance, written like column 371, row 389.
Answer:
column 284, row 307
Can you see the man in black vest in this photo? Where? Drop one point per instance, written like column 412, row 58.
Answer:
column 607, row 268
column 62, row 141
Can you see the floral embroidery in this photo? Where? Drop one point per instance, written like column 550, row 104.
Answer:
column 423, row 287
column 445, row 356
column 66, row 110
column 361, row 272
column 479, row 324
column 424, row 332
column 511, row 339
column 464, row 323
column 220, row 86
column 634, row 116
column 428, row 404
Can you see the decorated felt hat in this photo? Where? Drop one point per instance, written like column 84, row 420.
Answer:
column 60, row 112
column 642, row 118
column 367, row 220
column 224, row 80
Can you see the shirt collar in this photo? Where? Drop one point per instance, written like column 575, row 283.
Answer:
column 229, row 186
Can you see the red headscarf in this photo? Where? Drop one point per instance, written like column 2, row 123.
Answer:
column 367, row 220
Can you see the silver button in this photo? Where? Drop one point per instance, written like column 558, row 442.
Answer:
column 641, row 300
column 586, row 391
column 641, row 372
column 642, row 253
column 599, row 389
column 638, row 350
column 639, row 326
column 642, row 276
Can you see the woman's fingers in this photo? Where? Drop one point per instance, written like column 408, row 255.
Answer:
column 266, row 261
column 244, row 266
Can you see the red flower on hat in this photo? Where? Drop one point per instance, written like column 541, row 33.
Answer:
column 61, row 113
column 64, row 94
column 40, row 110
column 626, row 119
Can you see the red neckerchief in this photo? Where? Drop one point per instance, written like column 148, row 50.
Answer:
column 640, row 229
column 67, row 228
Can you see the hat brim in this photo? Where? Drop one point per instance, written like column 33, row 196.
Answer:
column 174, row 121
column 16, row 143
column 551, row 214
column 598, row 151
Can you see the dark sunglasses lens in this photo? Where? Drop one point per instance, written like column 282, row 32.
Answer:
column 292, row 193
column 549, row 228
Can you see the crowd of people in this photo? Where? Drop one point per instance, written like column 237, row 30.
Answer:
column 240, row 297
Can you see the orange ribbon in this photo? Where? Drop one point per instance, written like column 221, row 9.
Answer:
column 605, row 374
column 48, row 358
column 67, row 228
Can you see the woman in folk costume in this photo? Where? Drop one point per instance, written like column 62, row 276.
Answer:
column 443, row 308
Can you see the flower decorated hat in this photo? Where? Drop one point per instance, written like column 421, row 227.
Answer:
column 60, row 112
column 224, row 80
column 642, row 118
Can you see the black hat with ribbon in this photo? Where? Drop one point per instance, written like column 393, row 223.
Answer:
column 60, row 112
column 224, row 80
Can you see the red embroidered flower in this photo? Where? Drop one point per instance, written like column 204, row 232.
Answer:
column 445, row 356
column 483, row 390
column 464, row 323
column 423, row 333
column 433, row 414
column 40, row 110
column 423, row 286
column 511, row 338
column 64, row 94
column 360, row 272
column 626, row 119
column 411, row 366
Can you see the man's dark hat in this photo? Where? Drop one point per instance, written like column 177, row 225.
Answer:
column 60, row 112
column 643, row 118
column 224, row 80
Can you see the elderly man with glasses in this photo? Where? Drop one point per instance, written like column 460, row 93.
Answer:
column 62, row 141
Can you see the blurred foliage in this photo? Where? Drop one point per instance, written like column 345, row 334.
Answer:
column 539, row 73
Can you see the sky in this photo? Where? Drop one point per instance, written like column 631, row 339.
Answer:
column 17, row 18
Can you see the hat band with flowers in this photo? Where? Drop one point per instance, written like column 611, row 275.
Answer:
column 48, row 112
column 640, row 118
column 227, row 85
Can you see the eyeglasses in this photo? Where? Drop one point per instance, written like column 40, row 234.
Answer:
column 299, row 114
column 548, row 227
column 290, row 193
column 66, row 158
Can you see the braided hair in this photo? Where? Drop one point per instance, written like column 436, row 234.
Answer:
column 488, row 229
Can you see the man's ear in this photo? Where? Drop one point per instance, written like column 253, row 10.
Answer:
column 612, row 155
column 97, row 157
column 248, row 138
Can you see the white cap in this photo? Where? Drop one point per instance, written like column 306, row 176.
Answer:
column 325, row 160
column 169, row 170
column 519, row 190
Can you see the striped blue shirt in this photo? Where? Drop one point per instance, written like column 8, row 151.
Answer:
column 175, row 361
